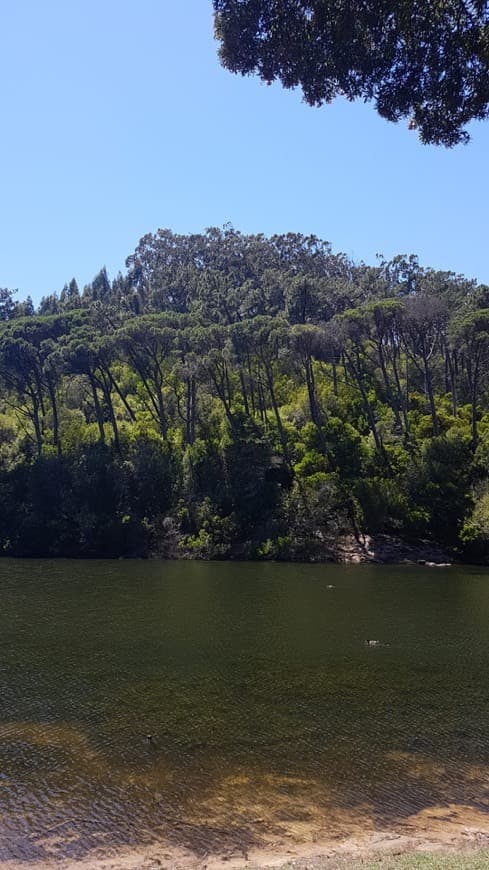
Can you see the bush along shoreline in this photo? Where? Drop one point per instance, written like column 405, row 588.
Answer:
column 236, row 396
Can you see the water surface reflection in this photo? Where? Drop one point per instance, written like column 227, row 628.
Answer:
column 267, row 712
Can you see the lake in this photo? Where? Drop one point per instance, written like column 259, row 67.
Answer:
column 267, row 713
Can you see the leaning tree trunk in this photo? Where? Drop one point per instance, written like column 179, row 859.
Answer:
column 357, row 377
column 54, row 408
column 97, row 407
column 428, row 383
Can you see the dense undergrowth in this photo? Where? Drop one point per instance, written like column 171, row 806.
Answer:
column 235, row 396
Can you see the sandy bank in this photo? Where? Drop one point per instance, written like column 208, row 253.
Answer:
column 451, row 829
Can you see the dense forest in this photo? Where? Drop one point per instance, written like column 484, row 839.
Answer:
column 237, row 396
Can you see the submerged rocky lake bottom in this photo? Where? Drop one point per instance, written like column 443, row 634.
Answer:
column 223, row 705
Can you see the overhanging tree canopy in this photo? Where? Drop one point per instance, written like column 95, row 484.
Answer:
column 417, row 59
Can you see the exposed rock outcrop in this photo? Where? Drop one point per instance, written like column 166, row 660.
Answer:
column 389, row 550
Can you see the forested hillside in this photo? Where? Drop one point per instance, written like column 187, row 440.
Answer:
column 241, row 396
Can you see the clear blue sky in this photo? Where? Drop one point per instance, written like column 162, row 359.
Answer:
column 117, row 119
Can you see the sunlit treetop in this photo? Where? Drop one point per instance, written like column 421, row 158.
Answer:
column 421, row 60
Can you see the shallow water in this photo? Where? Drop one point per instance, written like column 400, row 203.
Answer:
column 266, row 709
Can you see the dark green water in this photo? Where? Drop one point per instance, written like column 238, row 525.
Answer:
column 266, row 707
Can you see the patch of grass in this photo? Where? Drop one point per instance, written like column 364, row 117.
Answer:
column 416, row 861
column 478, row 861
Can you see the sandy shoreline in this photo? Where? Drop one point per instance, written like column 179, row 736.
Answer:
column 450, row 829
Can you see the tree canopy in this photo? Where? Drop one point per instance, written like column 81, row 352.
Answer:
column 415, row 59
column 235, row 395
